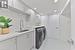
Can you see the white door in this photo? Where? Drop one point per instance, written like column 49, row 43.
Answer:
column 52, row 25
column 9, row 44
column 59, row 29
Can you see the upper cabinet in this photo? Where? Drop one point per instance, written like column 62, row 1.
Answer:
column 16, row 4
column 10, row 3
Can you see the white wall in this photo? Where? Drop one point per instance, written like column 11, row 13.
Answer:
column 73, row 22
column 73, row 19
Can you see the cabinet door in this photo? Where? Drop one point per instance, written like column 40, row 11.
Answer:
column 17, row 4
column 25, row 42
column 9, row 44
column 31, row 40
column 10, row 3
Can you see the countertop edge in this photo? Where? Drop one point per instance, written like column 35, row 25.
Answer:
column 12, row 35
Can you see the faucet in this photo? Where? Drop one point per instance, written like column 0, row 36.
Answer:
column 22, row 26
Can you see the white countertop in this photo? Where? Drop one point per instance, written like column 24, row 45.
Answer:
column 12, row 35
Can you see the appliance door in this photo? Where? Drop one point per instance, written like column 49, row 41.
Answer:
column 44, row 33
column 40, row 36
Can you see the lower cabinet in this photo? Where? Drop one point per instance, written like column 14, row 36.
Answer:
column 25, row 42
column 9, row 44
column 22, row 42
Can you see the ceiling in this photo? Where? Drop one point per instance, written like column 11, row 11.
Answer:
column 46, row 6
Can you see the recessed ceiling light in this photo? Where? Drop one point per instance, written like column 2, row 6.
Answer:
column 55, row 1
column 35, row 8
column 55, row 10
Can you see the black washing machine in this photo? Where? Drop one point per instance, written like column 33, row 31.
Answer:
column 39, row 36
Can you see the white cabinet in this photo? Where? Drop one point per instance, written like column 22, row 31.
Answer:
column 9, row 44
column 17, row 4
column 25, row 42
column 10, row 3
column 22, row 42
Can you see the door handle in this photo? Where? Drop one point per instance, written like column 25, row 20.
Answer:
column 71, row 41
